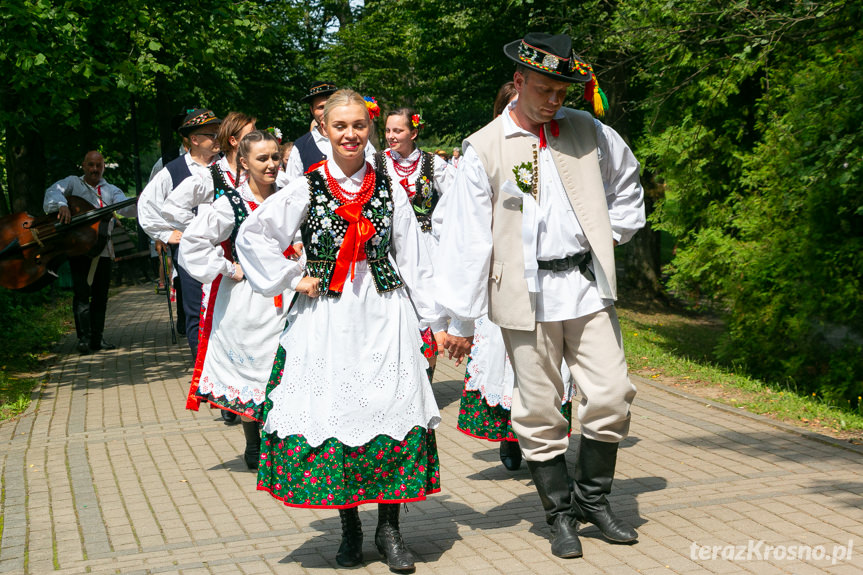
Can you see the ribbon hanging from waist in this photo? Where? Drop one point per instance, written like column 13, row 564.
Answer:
column 360, row 230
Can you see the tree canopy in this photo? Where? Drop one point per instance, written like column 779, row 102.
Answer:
column 746, row 116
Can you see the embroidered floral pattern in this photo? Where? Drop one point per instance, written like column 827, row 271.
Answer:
column 479, row 419
column 335, row 475
column 324, row 231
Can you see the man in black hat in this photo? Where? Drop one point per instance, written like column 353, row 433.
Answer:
column 542, row 195
column 314, row 147
column 199, row 129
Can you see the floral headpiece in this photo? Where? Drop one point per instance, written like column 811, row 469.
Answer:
column 372, row 107
column 276, row 132
column 417, row 122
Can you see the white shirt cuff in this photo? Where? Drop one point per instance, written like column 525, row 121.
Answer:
column 460, row 328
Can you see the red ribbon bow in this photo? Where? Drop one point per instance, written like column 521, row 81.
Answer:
column 553, row 128
column 360, row 230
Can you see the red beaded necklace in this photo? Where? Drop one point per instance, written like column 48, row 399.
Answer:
column 405, row 171
column 366, row 189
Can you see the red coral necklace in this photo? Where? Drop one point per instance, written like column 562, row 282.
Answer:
column 361, row 197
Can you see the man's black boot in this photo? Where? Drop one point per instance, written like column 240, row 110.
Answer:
column 388, row 540
column 594, row 473
column 350, row 553
column 550, row 479
column 510, row 455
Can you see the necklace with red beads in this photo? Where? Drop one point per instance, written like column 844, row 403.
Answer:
column 405, row 171
column 361, row 197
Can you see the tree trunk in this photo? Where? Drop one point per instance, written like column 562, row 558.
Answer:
column 25, row 172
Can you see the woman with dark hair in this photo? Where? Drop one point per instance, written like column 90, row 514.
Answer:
column 350, row 414
column 240, row 328
column 420, row 178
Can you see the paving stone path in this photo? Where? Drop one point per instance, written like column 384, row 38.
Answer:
column 107, row 473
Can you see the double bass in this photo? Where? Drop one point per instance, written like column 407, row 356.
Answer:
column 32, row 248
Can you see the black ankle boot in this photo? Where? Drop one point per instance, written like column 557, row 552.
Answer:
column 594, row 474
column 350, row 553
column 389, row 542
column 550, row 479
column 510, row 455
column 252, row 431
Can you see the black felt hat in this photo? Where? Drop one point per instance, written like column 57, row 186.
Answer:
column 320, row 89
column 551, row 55
column 197, row 118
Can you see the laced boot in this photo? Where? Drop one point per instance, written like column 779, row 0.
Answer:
column 389, row 542
column 252, row 431
column 550, row 479
column 594, row 474
column 350, row 553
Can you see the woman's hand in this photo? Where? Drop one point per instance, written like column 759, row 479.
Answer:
column 309, row 286
column 238, row 272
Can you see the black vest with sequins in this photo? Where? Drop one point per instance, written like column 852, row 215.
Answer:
column 426, row 195
column 324, row 230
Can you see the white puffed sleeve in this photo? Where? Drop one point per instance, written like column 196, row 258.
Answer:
column 413, row 260
column 200, row 251
column 623, row 191
column 267, row 233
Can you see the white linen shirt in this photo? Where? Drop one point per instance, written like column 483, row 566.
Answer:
column 179, row 207
column 294, row 169
column 153, row 198
column 104, row 194
column 562, row 295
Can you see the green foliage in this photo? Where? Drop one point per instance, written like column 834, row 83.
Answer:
column 33, row 323
column 753, row 129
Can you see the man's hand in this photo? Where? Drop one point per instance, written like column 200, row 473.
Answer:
column 457, row 347
column 175, row 237
column 161, row 247
column 64, row 215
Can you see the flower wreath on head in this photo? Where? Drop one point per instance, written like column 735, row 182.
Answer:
column 372, row 106
column 276, row 132
column 418, row 122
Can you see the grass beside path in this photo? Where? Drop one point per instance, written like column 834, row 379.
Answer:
column 675, row 348
column 32, row 324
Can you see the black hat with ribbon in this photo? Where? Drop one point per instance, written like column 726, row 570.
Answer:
column 320, row 89
column 553, row 56
column 197, row 118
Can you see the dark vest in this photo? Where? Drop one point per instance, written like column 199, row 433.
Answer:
column 426, row 195
column 310, row 153
column 324, row 230
column 179, row 170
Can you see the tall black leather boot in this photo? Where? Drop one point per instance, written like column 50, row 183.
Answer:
column 389, row 542
column 551, row 481
column 252, row 431
column 350, row 553
column 594, row 473
column 510, row 455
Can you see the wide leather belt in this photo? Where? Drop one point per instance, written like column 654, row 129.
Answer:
column 563, row 264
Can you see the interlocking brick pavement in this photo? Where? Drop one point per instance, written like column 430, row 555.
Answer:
column 108, row 473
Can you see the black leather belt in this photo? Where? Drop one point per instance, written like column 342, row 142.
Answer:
column 569, row 262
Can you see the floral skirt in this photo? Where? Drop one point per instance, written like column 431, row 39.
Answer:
column 339, row 476
column 491, row 422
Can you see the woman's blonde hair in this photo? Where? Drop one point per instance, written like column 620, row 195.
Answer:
column 344, row 97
